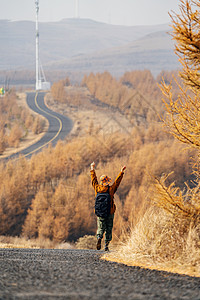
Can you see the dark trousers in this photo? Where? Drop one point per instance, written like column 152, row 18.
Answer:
column 105, row 225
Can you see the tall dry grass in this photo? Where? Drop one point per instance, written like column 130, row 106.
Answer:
column 39, row 243
column 161, row 242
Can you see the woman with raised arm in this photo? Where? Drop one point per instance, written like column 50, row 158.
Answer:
column 104, row 204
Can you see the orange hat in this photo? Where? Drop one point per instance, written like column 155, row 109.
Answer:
column 105, row 180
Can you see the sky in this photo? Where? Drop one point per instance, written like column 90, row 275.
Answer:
column 117, row 12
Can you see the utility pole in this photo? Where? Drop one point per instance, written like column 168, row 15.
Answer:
column 37, row 85
column 40, row 82
column 77, row 9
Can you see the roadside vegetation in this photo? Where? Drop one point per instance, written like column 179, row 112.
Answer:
column 167, row 236
column 22, row 242
column 16, row 122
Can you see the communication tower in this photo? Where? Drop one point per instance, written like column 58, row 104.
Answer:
column 76, row 9
column 41, row 83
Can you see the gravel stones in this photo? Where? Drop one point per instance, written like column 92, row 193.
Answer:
column 81, row 274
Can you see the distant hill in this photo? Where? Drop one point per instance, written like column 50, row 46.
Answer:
column 153, row 52
column 86, row 45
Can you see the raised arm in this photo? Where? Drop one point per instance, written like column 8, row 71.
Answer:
column 93, row 176
column 117, row 181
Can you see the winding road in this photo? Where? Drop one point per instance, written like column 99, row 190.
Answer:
column 59, row 125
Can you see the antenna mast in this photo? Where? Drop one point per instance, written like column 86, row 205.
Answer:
column 77, row 9
column 40, row 83
column 37, row 85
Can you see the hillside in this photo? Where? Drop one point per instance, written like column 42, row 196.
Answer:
column 153, row 52
column 85, row 45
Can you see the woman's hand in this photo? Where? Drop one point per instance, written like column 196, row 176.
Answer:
column 92, row 166
column 123, row 169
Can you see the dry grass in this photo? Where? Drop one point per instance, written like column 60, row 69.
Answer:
column 159, row 242
column 90, row 242
column 87, row 242
column 20, row 242
column 90, row 117
column 30, row 138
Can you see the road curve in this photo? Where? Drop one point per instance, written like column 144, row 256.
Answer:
column 59, row 125
column 81, row 274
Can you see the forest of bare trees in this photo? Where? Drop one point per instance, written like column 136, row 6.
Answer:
column 50, row 195
column 55, row 200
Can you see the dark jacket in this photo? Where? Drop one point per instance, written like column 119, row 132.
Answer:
column 102, row 189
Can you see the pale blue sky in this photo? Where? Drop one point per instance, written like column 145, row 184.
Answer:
column 123, row 12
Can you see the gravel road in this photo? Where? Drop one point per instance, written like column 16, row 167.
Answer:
column 80, row 274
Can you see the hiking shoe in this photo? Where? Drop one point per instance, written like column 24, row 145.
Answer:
column 106, row 247
column 99, row 244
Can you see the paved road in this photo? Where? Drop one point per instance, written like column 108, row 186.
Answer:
column 80, row 274
column 59, row 125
